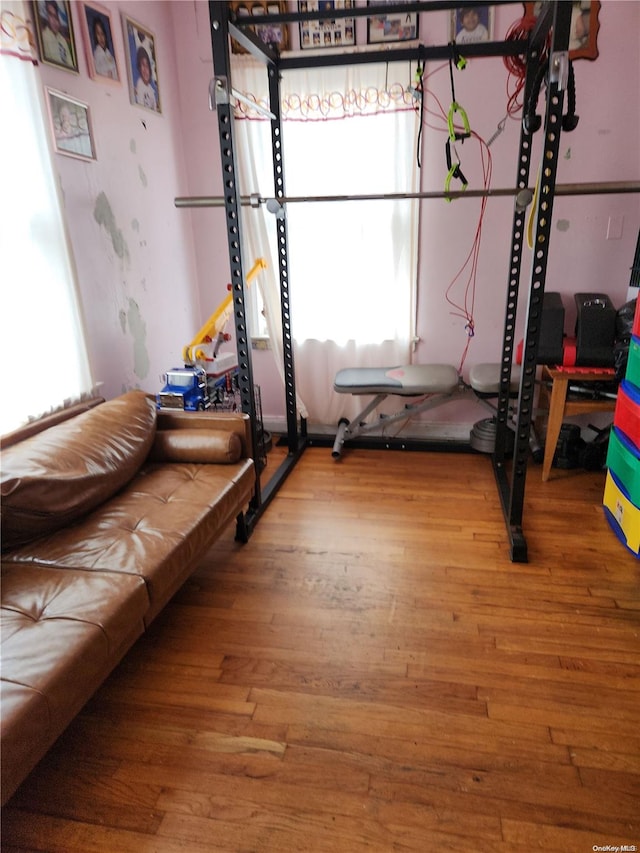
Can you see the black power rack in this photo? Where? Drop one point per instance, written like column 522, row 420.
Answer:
column 552, row 30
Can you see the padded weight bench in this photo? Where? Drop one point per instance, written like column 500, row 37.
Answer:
column 434, row 384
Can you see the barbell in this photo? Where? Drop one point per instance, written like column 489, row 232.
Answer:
column 523, row 196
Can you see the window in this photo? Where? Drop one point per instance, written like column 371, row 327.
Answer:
column 41, row 335
column 352, row 264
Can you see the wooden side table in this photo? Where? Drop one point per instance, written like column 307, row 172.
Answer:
column 559, row 407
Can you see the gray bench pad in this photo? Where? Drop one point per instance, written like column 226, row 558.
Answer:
column 415, row 379
column 409, row 381
column 485, row 378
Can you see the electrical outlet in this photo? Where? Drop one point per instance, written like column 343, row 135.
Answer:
column 614, row 227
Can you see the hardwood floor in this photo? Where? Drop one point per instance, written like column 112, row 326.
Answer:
column 370, row 672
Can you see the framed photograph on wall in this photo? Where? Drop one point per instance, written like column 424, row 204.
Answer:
column 54, row 29
column 70, row 126
column 585, row 23
column 142, row 65
column 97, row 34
column 276, row 34
column 395, row 27
column 328, row 32
column 471, row 24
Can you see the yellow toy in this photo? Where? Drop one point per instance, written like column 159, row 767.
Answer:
column 203, row 349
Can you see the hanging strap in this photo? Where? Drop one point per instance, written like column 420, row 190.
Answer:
column 453, row 166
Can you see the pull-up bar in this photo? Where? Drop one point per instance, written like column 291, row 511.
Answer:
column 274, row 204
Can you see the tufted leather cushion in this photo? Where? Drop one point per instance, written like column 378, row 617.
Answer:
column 196, row 446
column 59, row 475
column 62, row 633
column 155, row 528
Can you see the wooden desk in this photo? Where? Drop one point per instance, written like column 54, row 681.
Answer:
column 559, row 407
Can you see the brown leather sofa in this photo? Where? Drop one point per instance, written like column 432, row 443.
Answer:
column 106, row 510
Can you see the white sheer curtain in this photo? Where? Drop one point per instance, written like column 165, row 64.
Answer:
column 42, row 343
column 346, row 130
column 255, row 173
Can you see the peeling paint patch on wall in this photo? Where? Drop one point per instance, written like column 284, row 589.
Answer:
column 135, row 226
column 103, row 215
column 563, row 225
column 143, row 177
column 138, row 331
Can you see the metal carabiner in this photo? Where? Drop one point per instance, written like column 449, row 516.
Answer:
column 454, row 171
column 453, row 134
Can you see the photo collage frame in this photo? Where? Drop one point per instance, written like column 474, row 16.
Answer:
column 277, row 35
column 327, row 32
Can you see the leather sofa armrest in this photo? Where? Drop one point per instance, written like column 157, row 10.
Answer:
column 227, row 421
column 198, row 446
column 46, row 421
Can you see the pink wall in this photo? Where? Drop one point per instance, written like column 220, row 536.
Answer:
column 134, row 251
column 203, row 177
column 604, row 147
column 142, row 306
column 581, row 257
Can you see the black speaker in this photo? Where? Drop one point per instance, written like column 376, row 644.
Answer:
column 550, row 349
column 595, row 330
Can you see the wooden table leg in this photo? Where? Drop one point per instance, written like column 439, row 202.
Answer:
column 556, row 414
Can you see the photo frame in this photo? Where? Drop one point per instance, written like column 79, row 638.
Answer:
column 70, row 122
column 471, row 24
column 388, row 28
column 340, row 32
column 277, row 34
column 54, row 30
column 585, row 24
column 97, row 34
column 142, row 65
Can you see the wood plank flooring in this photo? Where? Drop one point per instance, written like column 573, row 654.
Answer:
column 370, row 672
